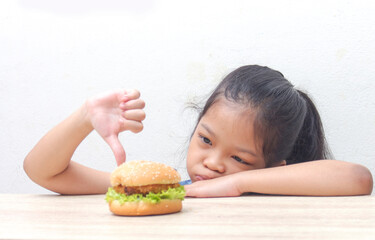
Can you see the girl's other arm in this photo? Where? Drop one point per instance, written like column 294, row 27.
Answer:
column 316, row 178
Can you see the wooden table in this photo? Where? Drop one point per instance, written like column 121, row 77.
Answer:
column 263, row 217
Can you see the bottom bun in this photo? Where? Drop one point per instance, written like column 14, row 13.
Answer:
column 142, row 208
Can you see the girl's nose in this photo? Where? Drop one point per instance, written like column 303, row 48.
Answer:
column 214, row 163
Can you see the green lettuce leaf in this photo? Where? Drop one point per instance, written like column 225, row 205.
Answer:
column 171, row 193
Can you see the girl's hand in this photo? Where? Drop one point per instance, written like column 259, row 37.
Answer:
column 114, row 112
column 225, row 186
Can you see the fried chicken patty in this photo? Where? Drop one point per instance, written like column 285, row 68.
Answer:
column 144, row 190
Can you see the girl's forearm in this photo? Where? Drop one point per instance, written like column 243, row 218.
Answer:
column 317, row 178
column 51, row 156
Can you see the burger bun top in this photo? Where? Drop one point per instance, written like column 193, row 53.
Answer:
column 141, row 173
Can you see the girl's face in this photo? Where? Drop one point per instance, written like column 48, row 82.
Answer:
column 223, row 143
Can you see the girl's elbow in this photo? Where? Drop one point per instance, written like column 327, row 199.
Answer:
column 26, row 166
column 31, row 170
column 364, row 180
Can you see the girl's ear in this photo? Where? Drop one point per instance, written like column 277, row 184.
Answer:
column 279, row 164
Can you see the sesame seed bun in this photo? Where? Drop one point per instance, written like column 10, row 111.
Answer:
column 141, row 173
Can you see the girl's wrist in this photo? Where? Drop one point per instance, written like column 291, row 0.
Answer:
column 243, row 182
column 84, row 120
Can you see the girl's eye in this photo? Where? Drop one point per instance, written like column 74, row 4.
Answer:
column 206, row 140
column 240, row 160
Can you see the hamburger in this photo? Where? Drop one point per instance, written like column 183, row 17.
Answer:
column 145, row 188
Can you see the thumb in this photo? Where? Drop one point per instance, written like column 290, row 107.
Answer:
column 117, row 149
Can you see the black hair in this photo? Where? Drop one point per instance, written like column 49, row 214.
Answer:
column 287, row 122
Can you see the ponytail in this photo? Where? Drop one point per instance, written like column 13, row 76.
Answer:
column 311, row 143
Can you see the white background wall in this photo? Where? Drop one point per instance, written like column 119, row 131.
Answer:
column 55, row 54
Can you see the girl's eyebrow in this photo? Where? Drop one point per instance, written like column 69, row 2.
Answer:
column 208, row 129
column 237, row 148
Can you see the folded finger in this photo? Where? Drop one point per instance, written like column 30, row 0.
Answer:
column 133, row 104
column 133, row 94
column 135, row 115
column 126, row 95
column 134, row 126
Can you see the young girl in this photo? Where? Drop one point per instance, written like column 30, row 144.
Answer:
column 256, row 133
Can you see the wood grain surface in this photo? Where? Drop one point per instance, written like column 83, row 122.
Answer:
column 254, row 216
